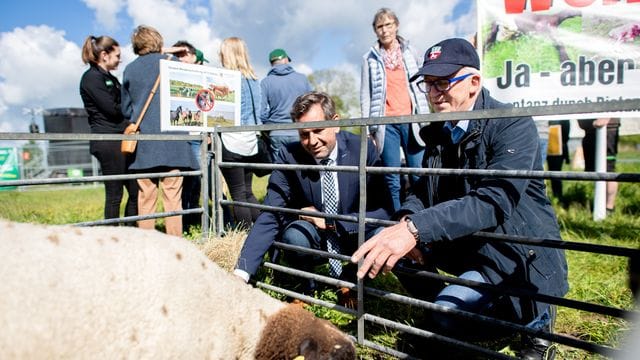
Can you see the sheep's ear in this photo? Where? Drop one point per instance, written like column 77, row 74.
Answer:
column 308, row 349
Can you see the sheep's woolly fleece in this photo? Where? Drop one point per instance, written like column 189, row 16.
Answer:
column 118, row 292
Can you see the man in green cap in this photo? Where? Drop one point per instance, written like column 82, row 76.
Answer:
column 279, row 90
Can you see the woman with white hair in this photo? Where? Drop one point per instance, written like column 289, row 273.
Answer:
column 386, row 91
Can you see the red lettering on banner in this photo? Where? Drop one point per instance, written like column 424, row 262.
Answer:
column 518, row 6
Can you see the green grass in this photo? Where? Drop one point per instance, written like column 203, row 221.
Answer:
column 525, row 49
column 593, row 278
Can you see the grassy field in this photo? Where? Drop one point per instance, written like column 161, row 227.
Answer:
column 598, row 279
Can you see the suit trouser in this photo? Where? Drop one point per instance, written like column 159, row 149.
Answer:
column 171, row 199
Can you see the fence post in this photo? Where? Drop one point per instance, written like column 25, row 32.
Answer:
column 600, row 191
column 204, row 187
column 216, row 183
column 362, row 213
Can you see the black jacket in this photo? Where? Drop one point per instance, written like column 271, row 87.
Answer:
column 100, row 92
column 448, row 209
column 301, row 188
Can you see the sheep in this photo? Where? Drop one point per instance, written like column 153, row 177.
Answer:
column 122, row 292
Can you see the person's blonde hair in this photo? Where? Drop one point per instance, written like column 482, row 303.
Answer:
column 93, row 46
column 146, row 40
column 234, row 55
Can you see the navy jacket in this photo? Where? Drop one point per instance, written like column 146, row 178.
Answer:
column 301, row 188
column 448, row 209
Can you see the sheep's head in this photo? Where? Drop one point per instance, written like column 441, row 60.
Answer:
column 295, row 334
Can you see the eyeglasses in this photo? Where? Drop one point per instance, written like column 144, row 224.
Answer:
column 440, row 84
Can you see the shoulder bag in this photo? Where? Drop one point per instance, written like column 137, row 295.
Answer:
column 129, row 146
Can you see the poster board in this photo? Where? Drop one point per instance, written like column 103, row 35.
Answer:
column 9, row 166
column 542, row 52
column 197, row 98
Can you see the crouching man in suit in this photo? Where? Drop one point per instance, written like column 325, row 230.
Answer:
column 331, row 192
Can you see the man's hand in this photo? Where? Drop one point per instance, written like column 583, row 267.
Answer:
column 317, row 221
column 383, row 250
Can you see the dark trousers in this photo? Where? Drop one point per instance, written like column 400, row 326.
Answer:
column 589, row 149
column 190, row 199
column 113, row 162
column 239, row 181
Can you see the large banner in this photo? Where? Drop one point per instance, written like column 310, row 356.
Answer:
column 197, row 97
column 545, row 52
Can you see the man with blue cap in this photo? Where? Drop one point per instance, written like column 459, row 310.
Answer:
column 440, row 216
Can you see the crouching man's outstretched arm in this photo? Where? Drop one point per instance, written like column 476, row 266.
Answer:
column 383, row 250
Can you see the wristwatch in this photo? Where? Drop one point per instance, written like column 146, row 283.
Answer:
column 412, row 229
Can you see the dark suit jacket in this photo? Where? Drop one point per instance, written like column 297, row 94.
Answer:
column 301, row 188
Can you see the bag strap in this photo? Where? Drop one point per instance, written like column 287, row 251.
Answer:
column 146, row 104
column 252, row 103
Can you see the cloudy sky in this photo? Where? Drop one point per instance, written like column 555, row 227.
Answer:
column 40, row 66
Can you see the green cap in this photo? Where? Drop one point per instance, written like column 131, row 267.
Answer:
column 278, row 54
column 200, row 57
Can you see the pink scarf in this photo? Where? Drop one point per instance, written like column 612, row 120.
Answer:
column 392, row 58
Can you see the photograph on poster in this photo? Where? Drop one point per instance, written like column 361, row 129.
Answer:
column 560, row 55
column 198, row 98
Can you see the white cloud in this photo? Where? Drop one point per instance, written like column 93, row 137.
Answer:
column 304, row 69
column 304, row 28
column 177, row 21
column 41, row 70
column 171, row 20
column 106, row 11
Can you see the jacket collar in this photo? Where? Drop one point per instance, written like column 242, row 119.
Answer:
column 435, row 134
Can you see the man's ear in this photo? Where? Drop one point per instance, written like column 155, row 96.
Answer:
column 476, row 84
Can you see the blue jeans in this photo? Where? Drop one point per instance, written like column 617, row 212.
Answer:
column 462, row 298
column 467, row 299
column 396, row 136
column 276, row 141
column 544, row 146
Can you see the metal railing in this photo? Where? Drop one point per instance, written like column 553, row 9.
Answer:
column 363, row 317
column 203, row 210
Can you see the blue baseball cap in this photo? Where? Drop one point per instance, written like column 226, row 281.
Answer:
column 447, row 57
